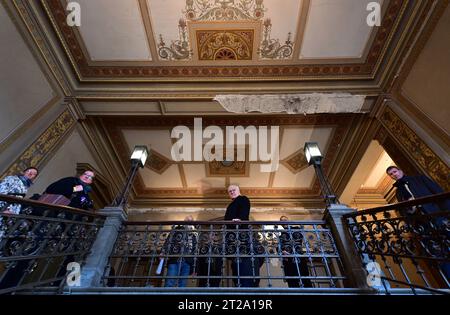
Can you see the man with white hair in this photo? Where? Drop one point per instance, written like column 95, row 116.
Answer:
column 239, row 210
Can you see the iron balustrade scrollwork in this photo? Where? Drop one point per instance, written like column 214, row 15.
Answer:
column 37, row 244
column 225, row 254
column 409, row 247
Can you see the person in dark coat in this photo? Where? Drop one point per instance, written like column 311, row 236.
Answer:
column 239, row 210
column 181, row 244
column 76, row 189
column 413, row 187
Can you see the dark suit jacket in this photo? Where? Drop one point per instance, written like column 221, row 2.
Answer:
column 421, row 186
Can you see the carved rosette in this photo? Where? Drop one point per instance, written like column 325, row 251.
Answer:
column 225, row 45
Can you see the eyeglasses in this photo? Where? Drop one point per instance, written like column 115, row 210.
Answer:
column 89, row 176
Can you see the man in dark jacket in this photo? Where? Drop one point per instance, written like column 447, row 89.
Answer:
column 239, row 210
column 76, row 189
column 181, row 244
column 413, row 187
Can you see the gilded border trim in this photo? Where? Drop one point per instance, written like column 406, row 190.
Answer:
column 38, row 152
column 416, row 148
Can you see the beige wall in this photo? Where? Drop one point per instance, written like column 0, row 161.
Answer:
column 427, row 85
column 29, row 102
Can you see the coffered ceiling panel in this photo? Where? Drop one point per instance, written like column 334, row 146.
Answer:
column 164, row 177
column 336, row 29
column 113, row 30
column 377, row 173
column 196, row 177
column 285, row 178
column 157, row 139
column 256, row 178
column 294, row 139
column 169, row 179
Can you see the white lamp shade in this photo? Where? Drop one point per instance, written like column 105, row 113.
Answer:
column 140, row 154
column 312, row 152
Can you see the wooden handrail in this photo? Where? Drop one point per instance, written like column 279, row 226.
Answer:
column 34, row 203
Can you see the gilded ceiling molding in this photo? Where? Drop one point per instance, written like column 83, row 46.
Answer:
column 313, row 103
column 41, row 149
column 416, row 148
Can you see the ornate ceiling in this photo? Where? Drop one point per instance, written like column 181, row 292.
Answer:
column 193, row 182
column 225, row 39
column 134, row 69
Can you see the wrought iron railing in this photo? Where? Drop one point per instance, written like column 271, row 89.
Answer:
column 294, row 254
column 37, row 244
column 403, row 245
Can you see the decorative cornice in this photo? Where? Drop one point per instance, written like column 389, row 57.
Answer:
column 38, row 152
column 416, row 148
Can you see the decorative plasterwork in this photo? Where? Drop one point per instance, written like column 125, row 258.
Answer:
column 394, row 12
column 224, row 10
column 295, row 162
column 416, row 148
column 271, row 48
column 157, row 162
column 39, row 150
column 179, row 49
column 225, row 44
column 292, row 103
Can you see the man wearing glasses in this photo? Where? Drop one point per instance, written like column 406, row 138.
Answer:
column 75, row 189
